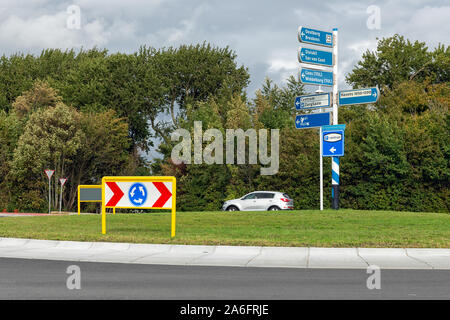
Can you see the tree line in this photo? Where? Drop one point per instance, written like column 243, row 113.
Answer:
column 90, row 113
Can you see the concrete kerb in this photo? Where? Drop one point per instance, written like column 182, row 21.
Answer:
column 335, row 258
column 280, row 257
column 436, row 258
column 245, row 256
column 391, row 258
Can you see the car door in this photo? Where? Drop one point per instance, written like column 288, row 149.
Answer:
column 249, row 202
column 264, row 200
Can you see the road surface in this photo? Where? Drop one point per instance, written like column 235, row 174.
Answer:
column 47, row 279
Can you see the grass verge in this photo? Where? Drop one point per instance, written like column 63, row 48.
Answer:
column 329, row 228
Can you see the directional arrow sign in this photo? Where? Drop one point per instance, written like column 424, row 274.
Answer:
column 312, row 56
column 117, row 194
column 312, row 120
column 312, row 101
column 358, row 96
column 333, row 140
column 137, row 194
column 311, row 76
column 317, row 37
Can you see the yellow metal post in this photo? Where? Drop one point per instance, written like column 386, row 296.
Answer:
column 174, row 204
column 103, row 220
column 114, row 210
column 78, row 200
column 103, row 209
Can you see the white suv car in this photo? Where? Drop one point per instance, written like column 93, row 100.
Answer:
column 260, row 201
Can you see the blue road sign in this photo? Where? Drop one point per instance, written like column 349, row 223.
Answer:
column 333, row 141
column 137, row 194
column 311, row 76
column 317, row 37
column 358, row 96
column 312, row 56
column 312, row 120
column 312, row 101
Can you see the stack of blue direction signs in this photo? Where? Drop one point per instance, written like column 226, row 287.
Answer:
column 312, row 76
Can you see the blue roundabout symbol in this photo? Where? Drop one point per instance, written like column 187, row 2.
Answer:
column 137, row 194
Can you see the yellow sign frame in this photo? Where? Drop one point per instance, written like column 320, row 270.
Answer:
column 88, row 186
column 173, row 180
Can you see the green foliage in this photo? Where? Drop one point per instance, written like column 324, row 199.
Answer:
column 88, row 114
column 397, row 60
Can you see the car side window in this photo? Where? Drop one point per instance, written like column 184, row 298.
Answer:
column 250, row 196
column 265, row 195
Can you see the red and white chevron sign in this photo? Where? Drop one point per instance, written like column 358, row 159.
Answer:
column 137, row 193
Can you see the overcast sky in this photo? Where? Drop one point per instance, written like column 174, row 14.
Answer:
column 263, row 33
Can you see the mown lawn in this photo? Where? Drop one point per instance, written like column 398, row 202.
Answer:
column 329, row 228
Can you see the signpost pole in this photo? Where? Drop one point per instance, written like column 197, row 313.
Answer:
column 49, row 174
column 335, row 160
column 62, row 181
column 321, row 169
column 49, row 196
column 60, row 198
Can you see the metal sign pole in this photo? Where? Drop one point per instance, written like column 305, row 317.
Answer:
column 321, row 169
column 335, row 160
column 49, row 196
column 49, row 174
column 60, row 198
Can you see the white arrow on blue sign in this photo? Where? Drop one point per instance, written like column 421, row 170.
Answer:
column 358, row 96
column 322, row 100
column 312, row 56
column 333, row 140
column 318, row 77
column 312, row 120
column 317, row 37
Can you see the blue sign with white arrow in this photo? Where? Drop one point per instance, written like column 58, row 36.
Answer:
column 358, row 96
column 137, row 194
column 317, row 37
column 333, row 140
column 312, row 120
column 318, row 77
column 312, row 56
column 312, row 101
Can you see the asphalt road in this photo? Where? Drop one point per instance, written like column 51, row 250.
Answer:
column 46, row 279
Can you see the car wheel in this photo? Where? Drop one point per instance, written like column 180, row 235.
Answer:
column 274, row 208
column 232, row 208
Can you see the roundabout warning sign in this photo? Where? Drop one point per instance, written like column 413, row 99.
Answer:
column 138, row 192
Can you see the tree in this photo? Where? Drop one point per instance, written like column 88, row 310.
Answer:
column 396, row 60
column 103, row 152
column 41, row 95
column 51, row 139
column 10, row 131
column 191, row 74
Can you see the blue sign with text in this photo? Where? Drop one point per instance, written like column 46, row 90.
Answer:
column 358, row 96
column 312, row 120
column 333, row 141
column 317, row 37
column 312, row 56
column 311, row 76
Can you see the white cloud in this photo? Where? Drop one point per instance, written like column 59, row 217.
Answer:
column 263, row 33
column 429, row 24
column 50, row 31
